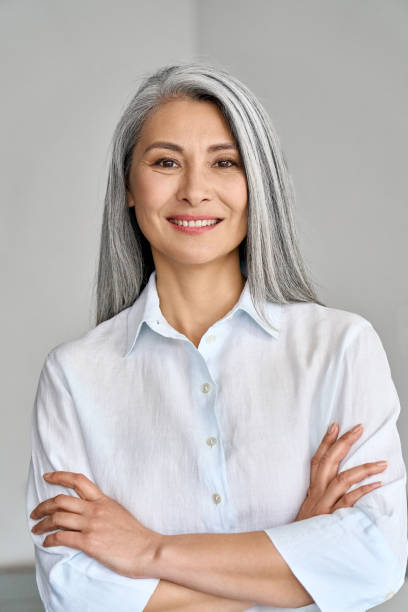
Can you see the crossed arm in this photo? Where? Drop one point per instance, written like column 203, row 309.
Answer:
column 223, row 572
column 227, row 571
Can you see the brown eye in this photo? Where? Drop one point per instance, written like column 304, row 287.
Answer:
column 163, row 159
column 230, row 161
column 171, row 161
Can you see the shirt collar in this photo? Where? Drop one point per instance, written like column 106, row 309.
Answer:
column 146, row 309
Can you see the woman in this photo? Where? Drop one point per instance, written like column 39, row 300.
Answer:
column 186, row 433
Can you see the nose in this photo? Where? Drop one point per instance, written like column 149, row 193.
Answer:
column 194, row 186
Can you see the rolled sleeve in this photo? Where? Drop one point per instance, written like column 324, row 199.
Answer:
column 68, row 580
column 356, row 558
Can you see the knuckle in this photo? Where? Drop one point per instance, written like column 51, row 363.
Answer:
column 315, row 461
column 343, row 477
column 56, row 517
column 325, row 459
column 98, row 511
column 59, row 498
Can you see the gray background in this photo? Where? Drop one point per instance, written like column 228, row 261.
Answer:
column 331, row 73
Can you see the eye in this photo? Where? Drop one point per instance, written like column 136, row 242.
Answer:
column 220, row 161
column 230, row 161
column 164, row 159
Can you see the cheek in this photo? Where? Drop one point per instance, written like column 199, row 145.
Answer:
column 150, row 196
column 150, row 192
column 238, row 194
column 241, row 204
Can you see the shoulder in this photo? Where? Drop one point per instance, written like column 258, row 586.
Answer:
column 97, row 347
column 324, row 326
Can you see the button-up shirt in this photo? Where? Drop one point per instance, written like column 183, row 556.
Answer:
column 219, row 439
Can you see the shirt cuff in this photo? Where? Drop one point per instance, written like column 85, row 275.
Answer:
column 80, row 584
column 342, row 559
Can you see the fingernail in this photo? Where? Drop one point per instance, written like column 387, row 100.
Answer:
column 357, row 428
column 332, row 428
column 47, row 474
column 382, row 463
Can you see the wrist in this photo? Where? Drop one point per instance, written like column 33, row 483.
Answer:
column 152, row 555
column 160, row 547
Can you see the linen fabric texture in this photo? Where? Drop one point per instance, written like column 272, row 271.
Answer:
column 219, row 439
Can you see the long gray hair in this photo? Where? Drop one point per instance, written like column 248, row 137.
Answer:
column 269, row 254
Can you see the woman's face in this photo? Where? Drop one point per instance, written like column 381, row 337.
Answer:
column 186, row 177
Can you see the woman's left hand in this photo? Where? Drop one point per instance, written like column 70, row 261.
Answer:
column 97, row 525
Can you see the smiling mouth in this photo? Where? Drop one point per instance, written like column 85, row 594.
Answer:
column 194, row 223
column 194, row 227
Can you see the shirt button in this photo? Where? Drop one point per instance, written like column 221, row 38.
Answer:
column 205, row 387
column 211, row 441
column 389, row 595
column 216, row 498
column 210, row 338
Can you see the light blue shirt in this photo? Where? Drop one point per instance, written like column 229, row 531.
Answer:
column 219, row 439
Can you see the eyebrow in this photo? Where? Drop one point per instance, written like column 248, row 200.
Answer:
column 221, row 146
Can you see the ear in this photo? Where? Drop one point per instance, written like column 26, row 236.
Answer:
column 129, row 199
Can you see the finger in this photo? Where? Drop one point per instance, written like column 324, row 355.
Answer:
column 85, row 488
column 328, row 439
column 61, row 520
column 329, row 464
column 342, row 445
column 346, row 479
column 59, row 502
column 72, row 539
column 349, row 499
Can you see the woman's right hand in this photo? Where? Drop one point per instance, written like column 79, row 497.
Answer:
column 327, row 490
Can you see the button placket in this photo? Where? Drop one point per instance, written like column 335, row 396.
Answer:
column 206, row 387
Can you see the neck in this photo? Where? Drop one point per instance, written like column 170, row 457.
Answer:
column 194, row 296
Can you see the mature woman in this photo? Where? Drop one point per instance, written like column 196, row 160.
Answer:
column 186, row 435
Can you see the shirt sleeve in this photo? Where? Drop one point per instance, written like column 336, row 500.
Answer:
column 355, row 558
column 68, row 580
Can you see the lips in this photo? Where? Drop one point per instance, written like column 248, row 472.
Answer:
column 194, row 218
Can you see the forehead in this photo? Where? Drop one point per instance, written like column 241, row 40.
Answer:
column 186, row 119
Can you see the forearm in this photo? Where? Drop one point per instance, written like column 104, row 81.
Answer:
column 171, row 596
column 240, row 566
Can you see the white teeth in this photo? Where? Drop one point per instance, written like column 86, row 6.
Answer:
column 199, row 223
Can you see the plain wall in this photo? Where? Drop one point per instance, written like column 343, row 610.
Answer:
column 70, row 69
column 331, row 74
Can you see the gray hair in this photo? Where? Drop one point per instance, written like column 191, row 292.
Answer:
column 269, row 253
